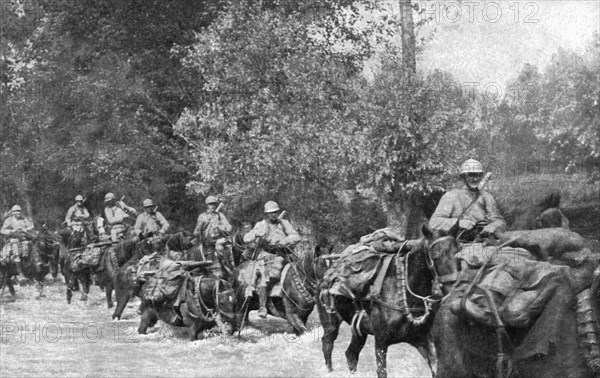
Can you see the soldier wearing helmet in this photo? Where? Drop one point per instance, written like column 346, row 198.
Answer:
column 76, row 217
column 116, row 213
column 18, row 232
column 473, row 205
column 150, row 222
column 211, row 228
column 273, row 236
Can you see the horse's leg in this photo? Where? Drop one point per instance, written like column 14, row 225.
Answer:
column 427, row 350
column 108, row 287
column 40, row 287
column 354, row 348
column 148, row 317
column 85, row 286
column 381, row 347
column 331, row 326
column 292, row 316
column 122, row 300
column 11, row 288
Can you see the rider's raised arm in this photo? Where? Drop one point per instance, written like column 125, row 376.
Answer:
column 493, row 215
column 445, row 215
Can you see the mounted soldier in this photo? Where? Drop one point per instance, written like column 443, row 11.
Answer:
column 211, row 229
column 18, row 232
column 474, row 209
column 117, row 212
column 78, row 219
column 273, row 239
column 151, row 223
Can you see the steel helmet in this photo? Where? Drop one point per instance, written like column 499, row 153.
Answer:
column 211, row 199
column 79, row 198
column 16, row 208
column 108, row 197
column 271, row 207
column 148, row 202
column 471, row 166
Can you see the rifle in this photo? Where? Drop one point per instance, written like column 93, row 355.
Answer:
column 94, row 245
column 219, row 207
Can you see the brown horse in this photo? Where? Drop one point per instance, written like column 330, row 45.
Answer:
column 467, row 348
column 403, row 312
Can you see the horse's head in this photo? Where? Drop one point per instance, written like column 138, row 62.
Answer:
column 323, row 259
column 227, row 306
column 442, row 248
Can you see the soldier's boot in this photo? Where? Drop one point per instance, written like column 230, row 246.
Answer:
column 262, row 301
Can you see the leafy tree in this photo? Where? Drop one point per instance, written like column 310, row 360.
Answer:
column 273, row 123
column 412, row 129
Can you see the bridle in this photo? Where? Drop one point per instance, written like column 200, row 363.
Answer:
column 451, row 277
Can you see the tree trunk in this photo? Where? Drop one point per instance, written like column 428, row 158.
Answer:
column 408, row 37
column 405, row 214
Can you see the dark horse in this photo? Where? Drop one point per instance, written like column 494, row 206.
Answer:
column 208, row 301
column 468, row 348
column 113, row 257
column 125, row 282
column 298, row 288
column 402, row 312
column 7, row 271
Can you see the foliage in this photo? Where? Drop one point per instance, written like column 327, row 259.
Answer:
column 274, row 123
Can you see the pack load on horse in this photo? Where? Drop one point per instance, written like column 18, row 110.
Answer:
column 131, row 276
column 385, row 286
column 521, row 284
column 185, row 293
column 271, row 241
column 212, row 232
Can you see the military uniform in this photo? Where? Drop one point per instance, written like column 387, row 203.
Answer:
column 150, row 224
column 116, row 213
column 211, row 229
column 453, row 203
column 274, row 236
column 76, row 216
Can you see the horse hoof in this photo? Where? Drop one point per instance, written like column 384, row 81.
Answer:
column 110, row 305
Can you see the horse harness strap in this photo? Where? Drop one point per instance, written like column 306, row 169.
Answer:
column 375, row 289
column 206, row 314
column 301, row 285
column 113, row 257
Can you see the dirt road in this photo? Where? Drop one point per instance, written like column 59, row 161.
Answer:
column 48, row 337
